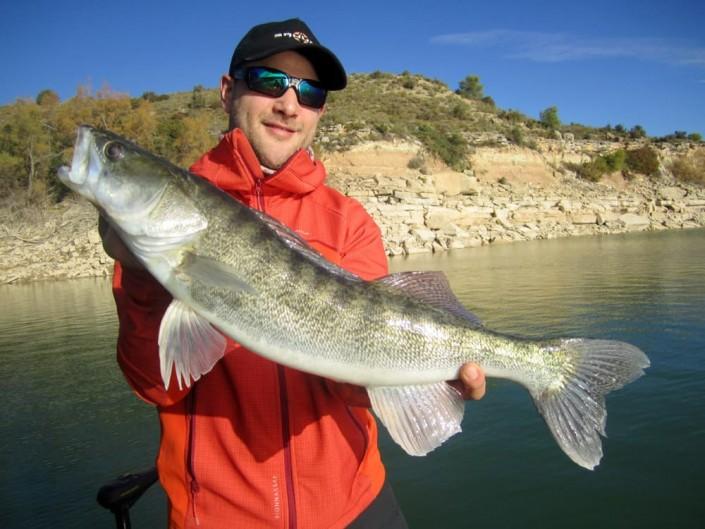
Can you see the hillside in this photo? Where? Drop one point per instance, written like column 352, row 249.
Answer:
column 437, row 171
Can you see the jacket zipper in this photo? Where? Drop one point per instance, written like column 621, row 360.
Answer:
column 283, row 404
column 258, row 194
column 194, row 487
column 286, row 439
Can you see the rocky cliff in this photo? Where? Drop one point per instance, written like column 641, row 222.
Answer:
column 510, row 194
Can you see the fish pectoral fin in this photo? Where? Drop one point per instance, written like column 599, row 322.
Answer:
column 188, row 343
column 214, row 273
column 432, row 288
column 419, row 418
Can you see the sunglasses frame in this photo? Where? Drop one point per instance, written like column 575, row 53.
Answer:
column 245, row 74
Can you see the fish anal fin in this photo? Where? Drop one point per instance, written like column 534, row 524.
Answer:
column 432, row 288
column 188, row 344
column 419, row 418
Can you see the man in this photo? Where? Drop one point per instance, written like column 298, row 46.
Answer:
column 254, row 444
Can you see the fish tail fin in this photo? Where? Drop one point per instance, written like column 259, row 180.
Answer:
column 574, row 408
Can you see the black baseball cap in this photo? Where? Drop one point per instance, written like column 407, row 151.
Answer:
column 293, row 34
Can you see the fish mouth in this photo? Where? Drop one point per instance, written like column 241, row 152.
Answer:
column 85, row 164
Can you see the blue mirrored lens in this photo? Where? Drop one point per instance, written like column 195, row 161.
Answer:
column 274, row 83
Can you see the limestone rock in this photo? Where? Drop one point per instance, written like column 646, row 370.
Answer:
column 672, row 193
column 439, row 217
column 453, row 183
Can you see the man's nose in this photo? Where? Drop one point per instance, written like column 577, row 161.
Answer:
column 287, row 103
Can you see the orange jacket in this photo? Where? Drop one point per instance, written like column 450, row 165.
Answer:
column 254, row 444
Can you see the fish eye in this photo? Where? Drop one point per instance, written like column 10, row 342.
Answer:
column 114, row 150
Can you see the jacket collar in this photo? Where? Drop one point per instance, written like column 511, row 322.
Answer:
column 232, row 165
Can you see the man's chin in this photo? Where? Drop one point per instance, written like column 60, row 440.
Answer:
column 274, row 156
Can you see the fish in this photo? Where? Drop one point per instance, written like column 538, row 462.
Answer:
column 235, row 271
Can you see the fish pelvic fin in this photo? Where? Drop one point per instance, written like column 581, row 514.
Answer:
column 575, row 410
column 188, row 344
column 419, row 418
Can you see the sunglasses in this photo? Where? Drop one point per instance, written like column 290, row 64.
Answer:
column 274, row 83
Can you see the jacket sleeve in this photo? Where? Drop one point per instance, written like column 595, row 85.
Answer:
column 141, row 303
column 363, row 252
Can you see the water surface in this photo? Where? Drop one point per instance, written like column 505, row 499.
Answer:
column 505, row 470
column 69, row 421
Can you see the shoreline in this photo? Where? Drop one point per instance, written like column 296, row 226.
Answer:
column 435, row 213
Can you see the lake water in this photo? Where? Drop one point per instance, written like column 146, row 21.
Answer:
column 69, row 422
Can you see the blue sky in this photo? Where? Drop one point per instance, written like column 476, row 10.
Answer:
column 599, row 62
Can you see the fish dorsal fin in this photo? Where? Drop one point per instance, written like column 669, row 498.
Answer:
column 419, row 418
column 187, row 343
column 432, row 288
column 294, row 241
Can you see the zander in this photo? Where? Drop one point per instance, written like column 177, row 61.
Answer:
column 236, row 271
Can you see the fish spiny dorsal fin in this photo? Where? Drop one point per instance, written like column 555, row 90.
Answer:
column 432, row 288
column 294, row 241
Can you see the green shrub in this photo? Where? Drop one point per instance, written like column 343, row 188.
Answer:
column 449, row 146
column 695, row 136
column 596, row 168
column 593, row 170
column 637, row 131
column 513, row 115
column 615, row 160
column 408, row 82
column 153, row 96
column 689, row 169
column 417, row 162
column 643, row 160
column 460, row 111
column 549, row 117
column 516, row 136
column 487, row 100
column 470, row 88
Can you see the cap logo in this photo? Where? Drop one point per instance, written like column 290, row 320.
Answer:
column 298, row 36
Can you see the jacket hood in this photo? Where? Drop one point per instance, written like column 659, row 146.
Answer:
column 232, row 165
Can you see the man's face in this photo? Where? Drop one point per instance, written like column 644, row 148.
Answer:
column 275, row 126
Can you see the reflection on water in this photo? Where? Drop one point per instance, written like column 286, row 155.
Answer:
column 647, row 289
column 563, row 284
column 69, row 421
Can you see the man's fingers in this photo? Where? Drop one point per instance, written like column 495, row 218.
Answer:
column 114, row 247
column 471, row 382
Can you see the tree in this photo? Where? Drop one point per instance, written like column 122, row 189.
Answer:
column 549, row 117
column 192, row 139
column 140, row 124
column 47, row 98
column 26, row 143
column 470, row 88
column 695, row 136
column 643, row 160
column 637, row 131
column 198, row 97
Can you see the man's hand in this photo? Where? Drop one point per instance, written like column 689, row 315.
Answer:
column 114, row 247
column 471, row 382
column 471, row 385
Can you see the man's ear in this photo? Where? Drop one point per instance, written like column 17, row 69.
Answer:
column 226, row 92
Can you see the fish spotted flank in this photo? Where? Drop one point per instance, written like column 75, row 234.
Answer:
column 243, row 273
